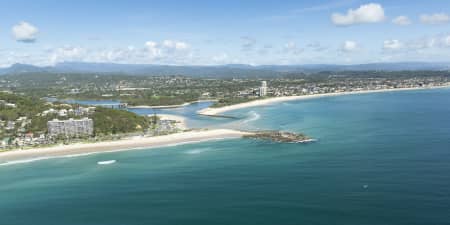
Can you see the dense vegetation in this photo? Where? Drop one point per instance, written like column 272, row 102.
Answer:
column 112, row 121
column 106, row 121
column 174, row 90
column 25, row 106
column 154, row 100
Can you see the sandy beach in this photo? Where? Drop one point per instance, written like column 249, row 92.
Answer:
column 167, row 106
column 181, row 121
column 273, row 100
column 9, row 157
column 158, row 106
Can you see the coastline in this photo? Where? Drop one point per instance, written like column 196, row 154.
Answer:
column 132, row 143
column 217, row 111
column 139, row 142
column 180, row 121
column 158, row 106
column 167, row 106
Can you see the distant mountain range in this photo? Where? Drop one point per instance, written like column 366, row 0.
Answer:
column 231, row 70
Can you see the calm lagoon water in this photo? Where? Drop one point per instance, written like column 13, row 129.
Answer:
column 189, row 111
column 381, row 159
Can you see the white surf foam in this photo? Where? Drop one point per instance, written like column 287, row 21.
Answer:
column 253, row 116
column 106, row 162
column 101, row 152
column 198, row 151
column 23, row 161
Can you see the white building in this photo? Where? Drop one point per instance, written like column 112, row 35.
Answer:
column 263, row 89
column 62, row 112
column 50, row 111
column 71, row 127
column 6, row 104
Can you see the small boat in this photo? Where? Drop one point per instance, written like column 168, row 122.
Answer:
column 106, row 162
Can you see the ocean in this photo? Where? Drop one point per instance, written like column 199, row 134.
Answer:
column 380, row 159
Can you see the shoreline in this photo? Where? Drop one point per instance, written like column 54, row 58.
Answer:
column 217, row 111
column 180, row 120
column 188, row 136
column 167, row 106
column 158, row 106
column 132, row 143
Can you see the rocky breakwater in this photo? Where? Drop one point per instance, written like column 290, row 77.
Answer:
column 280, row 136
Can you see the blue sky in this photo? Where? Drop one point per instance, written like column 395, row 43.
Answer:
column 46, row 32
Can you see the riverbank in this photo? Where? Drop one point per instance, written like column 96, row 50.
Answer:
column 167, row 106
column 14, row 156
column 217, row 111
column 180, row 121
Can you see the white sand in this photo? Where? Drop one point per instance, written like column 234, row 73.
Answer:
column 158, row 106
column 268, row 101
column 120, row 145
column 181, row 121
column 167, row 106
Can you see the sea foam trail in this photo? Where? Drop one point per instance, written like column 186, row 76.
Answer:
column 198, row 151
column 8, row 163
column 253, row 116
column 44, row 158
column 23, row 161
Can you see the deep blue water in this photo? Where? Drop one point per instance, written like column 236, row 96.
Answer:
column 381, row 159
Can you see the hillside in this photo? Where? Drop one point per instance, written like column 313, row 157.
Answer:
column 219, row 71
column 24, row 114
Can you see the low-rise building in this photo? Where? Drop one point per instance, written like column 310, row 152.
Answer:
column 10, row 125
column 6, row 104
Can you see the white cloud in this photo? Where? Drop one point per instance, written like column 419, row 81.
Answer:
column 429, row 48
column 165, row 52
column 167, row 48
column 439, row 41
column 332, row 4
column 220, row 59
column 67, row 53
column 368, row 13
column 349, row 46
column 401, row 20
column 435, row 43
column 436, row 18
column 24, row 32
column 422, row 43
column 446, row 41
column 392, row 44
column 151, row 44
column 153, row 48
column 169, row 44
column 292, row 48
column 316, row 46
column 248, row 43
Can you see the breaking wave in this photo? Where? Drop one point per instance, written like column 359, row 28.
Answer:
column 198, row 151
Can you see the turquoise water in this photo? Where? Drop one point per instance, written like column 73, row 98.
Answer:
column 380, row 159
column 193, row 120
column 188, row 111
